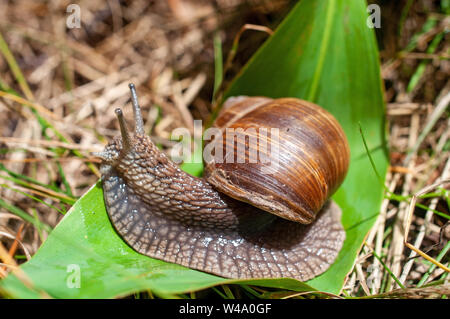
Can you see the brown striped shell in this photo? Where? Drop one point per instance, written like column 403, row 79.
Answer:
column 304, row 164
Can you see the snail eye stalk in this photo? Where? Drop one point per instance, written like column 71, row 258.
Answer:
column 139, row 123
column 126, row 140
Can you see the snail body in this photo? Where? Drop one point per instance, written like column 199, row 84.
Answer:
column 221, row 224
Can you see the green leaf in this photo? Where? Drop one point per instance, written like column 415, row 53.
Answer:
column 323, row 52
column 85, row 241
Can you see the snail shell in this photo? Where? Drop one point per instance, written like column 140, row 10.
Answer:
column 165, row 213
column 309, row 164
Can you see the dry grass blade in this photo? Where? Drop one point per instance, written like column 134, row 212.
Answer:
column 16, row 242
column 69, row 146
column 408, row 223
column 10, row 262
column 227, row 66
column 434, row 117
column 433, row 292
column 39, row 108
column 303, row 293
column 233, row 51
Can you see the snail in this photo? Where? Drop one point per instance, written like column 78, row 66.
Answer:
column 238, row 221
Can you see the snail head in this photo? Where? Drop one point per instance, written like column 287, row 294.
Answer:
column 129, row 146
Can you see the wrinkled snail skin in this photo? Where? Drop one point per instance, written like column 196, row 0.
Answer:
column 165, row 213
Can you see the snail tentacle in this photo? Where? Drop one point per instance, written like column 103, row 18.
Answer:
column 139, row 123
